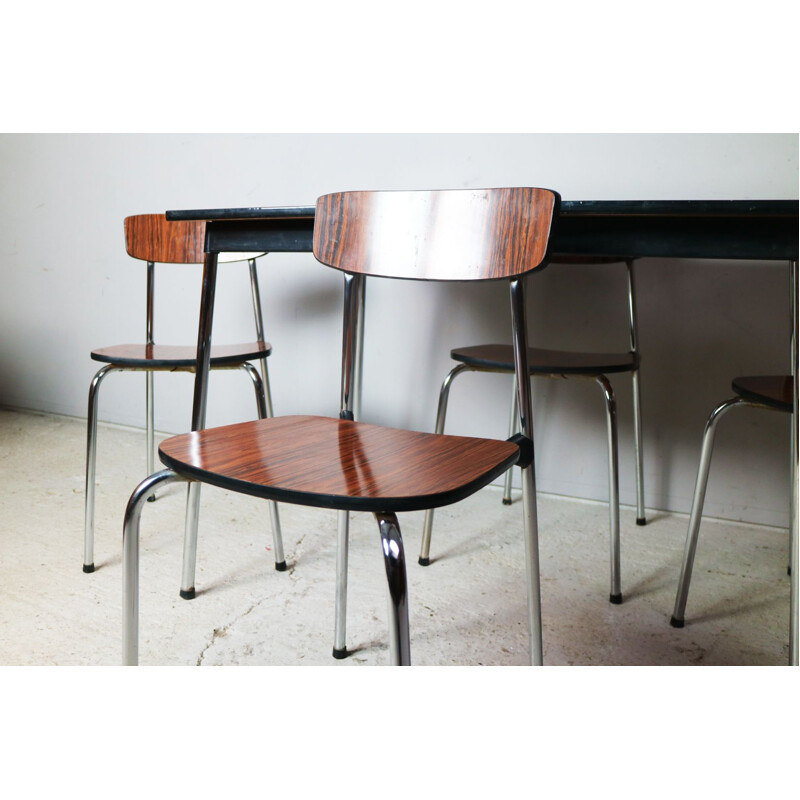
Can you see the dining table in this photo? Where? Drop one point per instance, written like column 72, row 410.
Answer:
column 736, row 230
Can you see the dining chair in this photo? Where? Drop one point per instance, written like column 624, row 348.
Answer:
column 342, row 464
column 772, row 392
column 153, row 239
column 499, row 358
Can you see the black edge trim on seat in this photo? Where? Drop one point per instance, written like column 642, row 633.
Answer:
column 183, row 363
column 337, row 502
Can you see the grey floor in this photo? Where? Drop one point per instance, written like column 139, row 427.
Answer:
column 467, row 607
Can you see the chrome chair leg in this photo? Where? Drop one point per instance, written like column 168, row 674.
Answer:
column 187, row 591
column 263, row 413
column 533, row 582
column 130, row 563
column 340, row 622
column 794, row 485
column 513, row 427
column 395, row 562
column 679, row 611
column 267, row 390
column 441, row 414
column 615, row 595
column 91, row 466
column 641, row 518
column 150, row 426
column 258, row 386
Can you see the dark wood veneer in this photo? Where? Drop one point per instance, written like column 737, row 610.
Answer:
column 150, row 237
column 332, row 463
column 442, row 235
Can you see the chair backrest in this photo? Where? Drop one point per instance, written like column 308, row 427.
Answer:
column 451, row 235
column 150, row 237
column 153, row 238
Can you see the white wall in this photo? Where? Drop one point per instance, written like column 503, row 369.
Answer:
column 69, row 287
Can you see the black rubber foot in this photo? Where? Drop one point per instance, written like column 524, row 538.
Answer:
column 340, row 653
column 281, row 566
column 151, row 499
column 88, row 567
column 616, row 599
column 676, row 623
column 641, row 521
column 187, row 594
column 506, row 501
column 424, row 562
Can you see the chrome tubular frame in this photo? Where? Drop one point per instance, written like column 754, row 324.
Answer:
column 258, row 386
column 149, row 377
column 358, row 366
column 259, row 318
column 794, row 505
column 91, row 466
column 531, row 527
column 277, row 536
column 615, row 596
column 441, row 415
column 91, row 450
column 199, row 419
column 130, row 563
column 397, row 584
column 698, row 500
column 351, row 334
column 637, row 403
column 512, row 429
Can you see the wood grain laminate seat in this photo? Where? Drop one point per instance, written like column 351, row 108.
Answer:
column 151, row 238
column 499, row 358
column 773, row 392
column 471, row 235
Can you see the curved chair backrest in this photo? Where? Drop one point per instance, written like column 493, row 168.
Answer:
column 150, row 237
column 153, row 238
column 455, row 235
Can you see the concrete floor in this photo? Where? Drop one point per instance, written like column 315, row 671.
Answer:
column 467, row 607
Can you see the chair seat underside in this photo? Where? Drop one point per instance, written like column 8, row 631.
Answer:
column 332, row 463
column 154, row 356
column 500, row 357
column 770, row 390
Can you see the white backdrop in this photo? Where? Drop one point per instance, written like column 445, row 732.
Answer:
column 68, row 287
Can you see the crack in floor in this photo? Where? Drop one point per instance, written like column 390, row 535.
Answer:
column 222, row 632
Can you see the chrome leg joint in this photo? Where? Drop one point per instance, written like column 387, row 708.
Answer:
column 397, row 584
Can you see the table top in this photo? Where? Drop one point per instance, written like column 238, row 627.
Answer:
column 731, row 229
column 761, row 208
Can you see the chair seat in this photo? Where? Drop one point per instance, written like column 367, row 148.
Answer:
column 771, row 390
column 165, row 356
column 500, row 357
column 332, row 463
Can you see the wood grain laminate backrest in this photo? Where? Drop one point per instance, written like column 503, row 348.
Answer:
column 150, row 237
column 452, row 235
